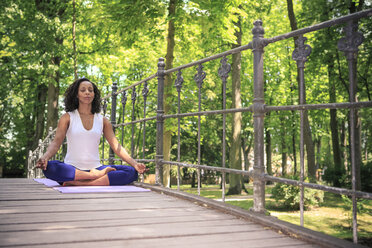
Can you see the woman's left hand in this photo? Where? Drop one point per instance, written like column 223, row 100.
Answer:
column 140, row 168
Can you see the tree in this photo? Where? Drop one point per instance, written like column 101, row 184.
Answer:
column 307, row 131
column 235, row 151
column 169, row 57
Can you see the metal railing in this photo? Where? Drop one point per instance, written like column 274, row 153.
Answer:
column 349, row 45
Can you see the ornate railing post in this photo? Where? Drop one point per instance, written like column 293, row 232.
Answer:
column 223, row 72
column 104, row 108
column 258, row 45
column 145, row 92
column 159, row 121
column 300, row 55
column 113, row 117
column 199, row 78
column 349, row 45
column 178, row 84
column 133, row 98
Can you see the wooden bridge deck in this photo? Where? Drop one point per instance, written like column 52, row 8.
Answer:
column 34, row 215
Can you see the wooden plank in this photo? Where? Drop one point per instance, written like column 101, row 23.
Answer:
column 116, row 232
column 238, row 240
column 34, row 215
column 120, row 205
column 124, row 198
column 54, row 195
column 118, row 221
column 103, row 215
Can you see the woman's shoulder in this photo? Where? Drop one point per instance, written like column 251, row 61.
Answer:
column 65, row 117
column 105, row 121
column 64, row 121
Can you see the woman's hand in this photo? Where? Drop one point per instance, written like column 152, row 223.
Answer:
column 42, row 163
column 140, row 168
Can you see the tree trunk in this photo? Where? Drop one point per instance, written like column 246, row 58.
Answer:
column 283, row 145
column 307, row 131
column 246, row 148
column 53, row 11
column 74, row 38
column 333, row 123
column 53, row 94
column 168, row 89
column 235, row 151
column 39, row 111
column 344, row 145
column 269, row 167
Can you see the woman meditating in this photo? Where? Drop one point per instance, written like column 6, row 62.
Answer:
column 83, row 126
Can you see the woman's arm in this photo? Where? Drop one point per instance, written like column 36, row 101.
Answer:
column 118, row 149
column 56, row 143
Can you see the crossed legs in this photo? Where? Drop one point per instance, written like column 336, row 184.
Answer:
column 104, row 175
column 93, row 177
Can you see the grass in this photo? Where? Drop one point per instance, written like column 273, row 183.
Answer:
column 332, row 217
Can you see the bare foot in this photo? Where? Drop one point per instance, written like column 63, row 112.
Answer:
column 102, row 181
column 70, row 183
column 100, row 173
column 77, row 183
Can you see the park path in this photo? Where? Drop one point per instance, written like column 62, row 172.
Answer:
column 33, row 215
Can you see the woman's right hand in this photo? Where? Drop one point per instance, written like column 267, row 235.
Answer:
column 42, row 163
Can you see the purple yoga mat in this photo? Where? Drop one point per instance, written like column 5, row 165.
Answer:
column 89, row 189
column 99, row 189
column 47, row 182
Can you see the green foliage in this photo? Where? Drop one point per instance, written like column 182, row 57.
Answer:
column 291, row 195
column 336, row 177
column 366, row 179
column 122, row 40
column 340, row 178
column 348, row 208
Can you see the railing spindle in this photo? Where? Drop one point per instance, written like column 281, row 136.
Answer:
column 159, row 121
column 349, row 45
column 134, row 97
column 123, row 104
column 199, row 78
column 300, row 55
column 223, row 72
column 113, row 117
column 104, row 106
column 145, row 92
column 178, row 84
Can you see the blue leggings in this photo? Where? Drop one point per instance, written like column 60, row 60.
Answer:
column 61, row 172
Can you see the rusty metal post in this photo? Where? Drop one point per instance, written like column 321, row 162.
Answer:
column 123, row 104
column 178, row 84
column 114, row 88
column 159, row 121
column 104, row 106
column 349, row 45
column 223, row 72
column 134, row 98
column 199, row 78
column 300, row 55
column 258, row 45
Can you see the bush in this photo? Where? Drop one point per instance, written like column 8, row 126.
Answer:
column 366, row 178
column 339, row 178
column 291, row 196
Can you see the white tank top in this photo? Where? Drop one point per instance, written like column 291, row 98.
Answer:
column 82, row 144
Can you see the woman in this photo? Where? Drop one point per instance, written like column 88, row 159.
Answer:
column 83, row 126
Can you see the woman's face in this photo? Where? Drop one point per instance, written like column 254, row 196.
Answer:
column 86, row 92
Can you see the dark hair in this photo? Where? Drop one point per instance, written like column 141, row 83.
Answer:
column 72, row 102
